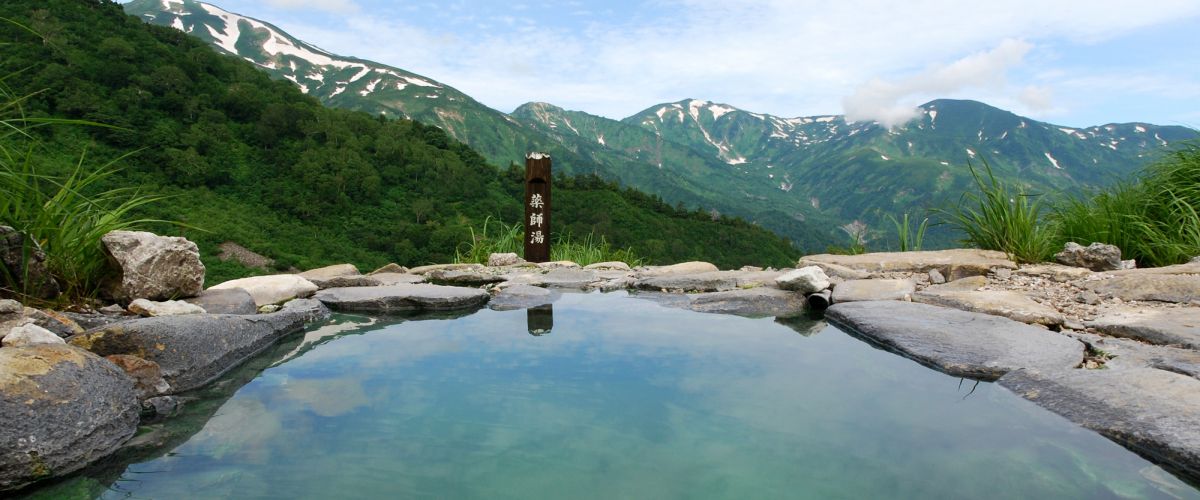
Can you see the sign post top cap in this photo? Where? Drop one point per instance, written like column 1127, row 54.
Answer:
column 536, row 156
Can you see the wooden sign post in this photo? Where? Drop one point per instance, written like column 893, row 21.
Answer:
column 537, row 207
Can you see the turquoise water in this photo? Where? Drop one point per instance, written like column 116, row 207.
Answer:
column 623, row 398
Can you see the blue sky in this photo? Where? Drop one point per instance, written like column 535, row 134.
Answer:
column 1070, row 62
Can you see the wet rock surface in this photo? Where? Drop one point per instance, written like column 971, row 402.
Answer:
column 192, row 350
column 1152, row 412
column 522, row 297
column 62, row 408
column 959, row 343
column 402, row 298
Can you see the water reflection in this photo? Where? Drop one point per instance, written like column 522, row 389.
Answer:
column 627, row 399
column 539, row 320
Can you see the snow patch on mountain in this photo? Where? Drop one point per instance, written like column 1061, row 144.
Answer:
column 1052, row 160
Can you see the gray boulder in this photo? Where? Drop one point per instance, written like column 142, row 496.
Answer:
column 145, row 307
column 577, row 279
column 225, row 301
column 523, row 297
column 809, row 279
column 62, row 408
column 387, row 279
column 864, row 290
column 195, row 349
column 26, row 266
column 958, row 343
column 26, row 335
column 390, row 268
column 504, row 259
column 274, row 289
column 1151, row 412
column 465, row 277
column 329, row 272
column 146, row 375
column 608, row 266
column 1178, row 288
column 1179, row 326
column 1097, row 256
column 692, row 267
column 149, row 266
column 346, row 281
column 402, row 298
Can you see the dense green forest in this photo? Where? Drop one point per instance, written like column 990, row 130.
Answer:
column 255, row 161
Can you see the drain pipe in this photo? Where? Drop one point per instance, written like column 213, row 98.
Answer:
column 820, row 301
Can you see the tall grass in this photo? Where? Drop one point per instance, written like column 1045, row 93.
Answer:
column 1155, row 221
column 910, row 238
column 64, row 215
column 1001, row 218
column 497, row 237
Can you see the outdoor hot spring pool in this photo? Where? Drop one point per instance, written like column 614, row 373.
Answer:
column 622, row 398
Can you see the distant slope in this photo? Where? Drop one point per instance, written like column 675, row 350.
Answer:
column 800, row 177
column 255, row 161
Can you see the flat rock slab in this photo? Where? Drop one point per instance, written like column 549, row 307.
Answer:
column 225, row 301
column 832, row 270
column 968, row 284
column 274, row 289
column 712, row 281
column 346, row 281
column 1011, row 305
column 958, row 343
column 388, row 279
column 328, row 272
column 1056, row 272
column 754, row 302
column 1160, row 287
column 1151, row 412
column 195, row 349
column 1179, row 326
column 1188, row 268
column 867, row 290
column 465, row 277
column 62, row 408
column 681, row 268
column 402, row 298
column 953, row 264
column 574, row 278
column 446, row 267
column 523, row 297
column 1126, row 353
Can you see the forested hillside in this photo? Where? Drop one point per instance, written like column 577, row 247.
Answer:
column 255, row 161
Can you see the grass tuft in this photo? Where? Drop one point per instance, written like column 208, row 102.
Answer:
column 1001, row 218
column 497, row 237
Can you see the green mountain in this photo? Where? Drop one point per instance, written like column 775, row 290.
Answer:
column 675, row 173
column 253, row 160
column 800, row 177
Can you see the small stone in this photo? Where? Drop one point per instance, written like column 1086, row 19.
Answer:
column 30, row 335
column 936, row 277
column 269, row 308
column 148, row 308
column 504, row 259
column 1128, row 264
column 1002, row 273
column 808, row 279
column 751, row 268
column 1097, row 256
column 1087, row 297
column 152, row 267
column 161, row 406
column 10, row 307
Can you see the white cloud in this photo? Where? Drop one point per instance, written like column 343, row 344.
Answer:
column 334, row 6
column 887, row 102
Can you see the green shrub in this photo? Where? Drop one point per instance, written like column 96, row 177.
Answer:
column 910, row 238
column 1154, row 220
column 999, row 218
column 66, row 215
column 506, row 238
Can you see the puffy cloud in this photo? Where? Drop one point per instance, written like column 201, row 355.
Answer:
column 886, row 102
